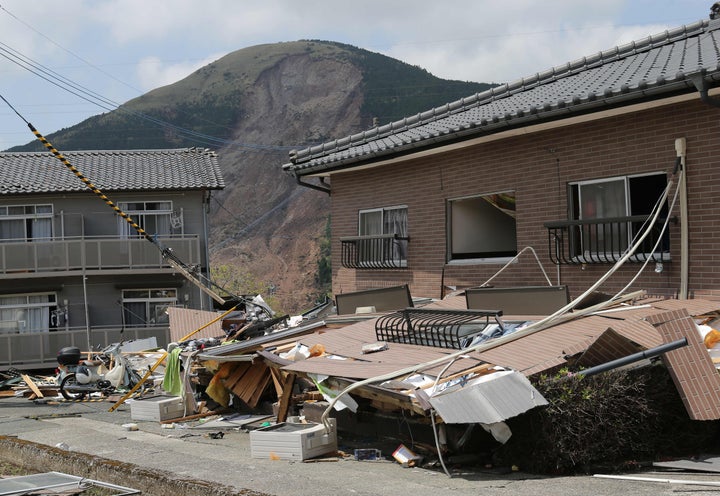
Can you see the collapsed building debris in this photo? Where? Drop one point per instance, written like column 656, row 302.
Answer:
column 439, row 365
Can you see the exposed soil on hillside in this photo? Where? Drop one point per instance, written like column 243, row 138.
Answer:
column 277, row 232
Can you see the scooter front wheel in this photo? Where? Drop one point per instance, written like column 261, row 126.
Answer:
column 68, row 382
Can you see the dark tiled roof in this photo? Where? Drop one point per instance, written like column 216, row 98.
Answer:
column 650, row 68
column 125, row 170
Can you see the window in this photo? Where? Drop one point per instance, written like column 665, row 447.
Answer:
column 147, row 307
column 482, row 227
column 390, row 222
column 24, row 313
column 154, row 217
column 614, row 199
column 26, row 222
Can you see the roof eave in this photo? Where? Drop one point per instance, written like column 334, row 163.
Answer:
column 559, row 111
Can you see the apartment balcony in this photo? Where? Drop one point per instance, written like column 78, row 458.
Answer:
column 92, row 254
column 387, row 251
column 602, row 241
column 38, row 350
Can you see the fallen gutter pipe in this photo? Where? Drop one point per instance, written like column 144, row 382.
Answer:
column 635, row 357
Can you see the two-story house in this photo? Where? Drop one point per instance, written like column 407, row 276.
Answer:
column 568, row 164
column 75, row 273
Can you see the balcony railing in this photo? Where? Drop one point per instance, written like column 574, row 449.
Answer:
column 597, row 241
column 89, row 253
column 38, row 350
column 387, row 251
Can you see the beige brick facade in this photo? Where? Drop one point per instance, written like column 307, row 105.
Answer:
column 538, row 167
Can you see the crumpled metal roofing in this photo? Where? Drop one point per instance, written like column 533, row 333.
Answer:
column 124, row 170
column 651, row 67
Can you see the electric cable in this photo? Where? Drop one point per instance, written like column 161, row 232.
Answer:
column 189, row 272
column 80, row 91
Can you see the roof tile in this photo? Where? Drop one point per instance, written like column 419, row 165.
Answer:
column 122, row 170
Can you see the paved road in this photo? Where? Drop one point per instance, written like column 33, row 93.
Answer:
column 188, row 454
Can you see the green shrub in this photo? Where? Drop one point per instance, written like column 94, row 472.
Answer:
column 611, row 420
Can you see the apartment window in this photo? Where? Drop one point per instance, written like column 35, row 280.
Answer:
column 154, row 217
column 25, row 313
column 614, row 200
column 147, row 307
column 482, row 227
column 383, row 233
column 26, row 222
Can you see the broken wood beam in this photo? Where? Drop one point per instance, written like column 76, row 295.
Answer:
column 32, row 385
column 284, row 403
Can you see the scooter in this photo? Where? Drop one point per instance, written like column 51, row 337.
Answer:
column 103, row 373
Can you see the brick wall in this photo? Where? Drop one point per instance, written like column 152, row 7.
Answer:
column 538, row 167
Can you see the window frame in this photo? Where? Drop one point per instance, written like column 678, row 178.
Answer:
column 451, row 257
column 140, row 217
column 575, row 200
column 48, row 306
column 27, row 218
column 402, row 244
column 151, row 304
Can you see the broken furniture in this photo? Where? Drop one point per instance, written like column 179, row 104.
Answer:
column 376, row 300
column 520, row 300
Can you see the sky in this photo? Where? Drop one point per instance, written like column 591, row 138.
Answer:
column 117, row 50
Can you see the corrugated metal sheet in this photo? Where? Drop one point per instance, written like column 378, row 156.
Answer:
column 183, row 321
column 488, row 399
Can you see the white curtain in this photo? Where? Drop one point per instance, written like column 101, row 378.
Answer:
column 12, row 229
column 396, row 223
column 41, row 228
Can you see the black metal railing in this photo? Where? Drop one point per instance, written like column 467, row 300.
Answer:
column 439, row 328
column 597, row 241
column 387, row 251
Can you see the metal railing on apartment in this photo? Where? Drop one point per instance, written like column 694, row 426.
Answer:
column 92, row 253
column 38, row 350
column 388, row 251
column 598, row 241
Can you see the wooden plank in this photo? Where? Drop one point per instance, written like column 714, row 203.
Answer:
column 246, row 386
column 32, row 385
column 276, row 378
column 236, row 374
column 255, row 399
column 284, row 403
column 259, row 384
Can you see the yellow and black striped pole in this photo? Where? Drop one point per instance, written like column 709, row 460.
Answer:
column 166, row 252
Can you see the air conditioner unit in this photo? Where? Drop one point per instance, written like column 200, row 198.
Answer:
column 293, row 441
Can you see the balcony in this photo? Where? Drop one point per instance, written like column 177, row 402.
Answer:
column 602, row 241
column 38, row 350
column 387, row 251
column 93, row 254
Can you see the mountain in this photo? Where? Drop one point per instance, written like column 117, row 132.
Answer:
column 253, row 106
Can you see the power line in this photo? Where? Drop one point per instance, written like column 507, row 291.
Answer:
column 52, row 77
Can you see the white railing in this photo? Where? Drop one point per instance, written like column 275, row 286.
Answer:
column 38, row 350
column 102, row 253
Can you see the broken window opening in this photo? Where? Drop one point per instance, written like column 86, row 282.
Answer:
column 482, row 227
